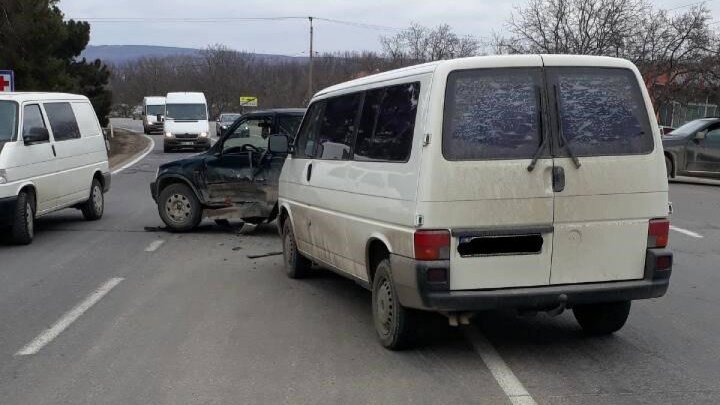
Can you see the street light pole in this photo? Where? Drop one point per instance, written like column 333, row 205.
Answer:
column 310, row 70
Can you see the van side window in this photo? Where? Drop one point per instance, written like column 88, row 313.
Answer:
column 85, row 115
column 307, row 136
column 387, row 124
column 602, row 111
column 492, row 114
column 32, row 118
column 337, row 129
column 62, row 121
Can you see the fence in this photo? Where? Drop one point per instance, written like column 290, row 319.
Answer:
column 675, row 114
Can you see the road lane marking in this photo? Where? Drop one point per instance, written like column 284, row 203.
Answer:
column 685, row 232
column 66, row 320
column 147, row 150
column 513, row 388
column 154, row 245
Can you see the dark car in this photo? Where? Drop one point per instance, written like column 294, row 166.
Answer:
column 224, row 121
column 236, row 179
column 694, row 149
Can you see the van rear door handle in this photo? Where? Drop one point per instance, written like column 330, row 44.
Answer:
column 558, row 178
column 309, row 172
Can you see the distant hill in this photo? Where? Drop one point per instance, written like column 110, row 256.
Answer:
column 117, row 54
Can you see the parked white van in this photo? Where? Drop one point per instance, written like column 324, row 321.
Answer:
column 52, row 156
column 153, row 114
column 533, row 182
column 186, row 122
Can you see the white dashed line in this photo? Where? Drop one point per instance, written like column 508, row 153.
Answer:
column 685, row 232
column 154, row 245
column 513, row 388
column 66, row 320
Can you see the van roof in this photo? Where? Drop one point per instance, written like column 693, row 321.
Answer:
column 154, row 100
column 185, row 97
column 499, row 60
column 41, row 96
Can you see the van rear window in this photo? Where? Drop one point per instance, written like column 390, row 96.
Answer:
column 492, row 114
column 602, row 111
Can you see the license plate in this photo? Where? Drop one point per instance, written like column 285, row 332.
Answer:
column 186, row 143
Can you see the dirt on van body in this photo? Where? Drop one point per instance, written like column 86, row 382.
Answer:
column 125, row 146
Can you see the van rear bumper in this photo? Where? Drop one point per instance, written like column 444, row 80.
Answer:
column 409, row 277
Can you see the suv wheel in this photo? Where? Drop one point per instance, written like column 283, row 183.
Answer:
column 94, row 207
column 23, row 227
column 602, row 319
column 179, row 209
column 394, row 324
column 296, row 265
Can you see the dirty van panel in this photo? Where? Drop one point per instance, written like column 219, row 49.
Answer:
column 499, row 212
column 602, row 214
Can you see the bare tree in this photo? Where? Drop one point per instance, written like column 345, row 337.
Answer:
column 418, row 43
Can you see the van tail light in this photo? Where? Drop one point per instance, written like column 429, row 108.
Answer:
column 432, row 245
column 658, row 233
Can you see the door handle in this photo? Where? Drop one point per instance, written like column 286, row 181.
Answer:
column 558, row 178
column 309, row 172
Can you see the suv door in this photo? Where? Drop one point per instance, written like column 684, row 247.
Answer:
column 613, row 172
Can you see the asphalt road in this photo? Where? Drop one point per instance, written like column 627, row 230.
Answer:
column 189, row 319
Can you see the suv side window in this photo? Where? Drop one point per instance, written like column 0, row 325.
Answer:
column 62, row 121
column 288, row 124
column 252, row 130
column 387, row 124
column 337, row 128
column 32, row 118
column 308, row 134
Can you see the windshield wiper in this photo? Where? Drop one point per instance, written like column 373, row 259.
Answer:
column 543, row 138
column 564, row 142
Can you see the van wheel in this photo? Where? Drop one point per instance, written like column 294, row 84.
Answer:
column 669, row 167
column 296, row 265
column 23, row 227
column 94, row 207
column 179, row 209
column 602, row 319
column 394, row 324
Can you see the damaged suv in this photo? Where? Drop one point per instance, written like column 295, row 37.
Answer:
column 236, row 179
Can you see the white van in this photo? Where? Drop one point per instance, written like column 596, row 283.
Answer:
column 533, row 182
column 186, row 122
column 52, row 156
column 153, row 114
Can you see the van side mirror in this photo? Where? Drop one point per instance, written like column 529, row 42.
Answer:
column 36, row 135
column 278, row 144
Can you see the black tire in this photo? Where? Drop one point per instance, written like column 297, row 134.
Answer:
column 179, row 208
column 296, row 265
column 669, row 167
column 395, row 325
column 602, row 319
column 23, row 227
column 94, row 207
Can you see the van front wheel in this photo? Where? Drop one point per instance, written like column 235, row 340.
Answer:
column 23, row 227
column 602, row 319
column 394, row 324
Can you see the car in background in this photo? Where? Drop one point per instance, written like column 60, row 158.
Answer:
column 153, row 114
column 224, row 121
column 236, row 179
column 664, row 130
column 693, row 149
column 186, row 122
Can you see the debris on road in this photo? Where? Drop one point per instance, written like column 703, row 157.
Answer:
column 264, row 255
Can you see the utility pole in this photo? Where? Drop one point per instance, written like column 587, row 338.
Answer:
column 310, row 70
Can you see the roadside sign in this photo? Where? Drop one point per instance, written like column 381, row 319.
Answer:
column 248, row 101
column 7, row 80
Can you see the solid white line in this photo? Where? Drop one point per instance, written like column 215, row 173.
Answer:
column 685, row 232
column 513, row 388
column 139, row 158
column 66, row 320
column 154, row 245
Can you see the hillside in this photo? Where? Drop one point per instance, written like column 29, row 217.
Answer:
column 118, row 54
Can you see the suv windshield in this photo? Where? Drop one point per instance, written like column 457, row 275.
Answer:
column 8, row 121
column 155, row 109
column 689, row 128
column 186, row 112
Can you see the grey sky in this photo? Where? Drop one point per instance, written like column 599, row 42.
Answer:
column 479, row 18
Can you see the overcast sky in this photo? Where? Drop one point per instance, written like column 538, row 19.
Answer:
column 290, row 37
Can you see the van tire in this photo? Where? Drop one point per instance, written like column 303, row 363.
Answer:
column 179, row 209
column 94, row 207
column 296, row 265
column 23, row 227
column 395, row 325
column 602, row 319
column 669, row 167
